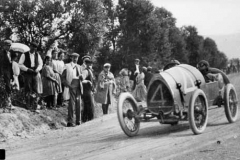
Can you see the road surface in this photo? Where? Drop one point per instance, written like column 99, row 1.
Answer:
column 103, row 138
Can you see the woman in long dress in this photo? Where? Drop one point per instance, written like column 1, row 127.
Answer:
column 106, row 87
column 124, row 81
column 58, row 72
column 140, row 91
column 49, row 83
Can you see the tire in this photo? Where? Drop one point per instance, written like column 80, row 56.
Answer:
column 230, row 103
column 126, row 111
column 198, row 112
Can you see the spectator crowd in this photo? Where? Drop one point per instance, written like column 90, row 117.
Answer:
column 57, row 82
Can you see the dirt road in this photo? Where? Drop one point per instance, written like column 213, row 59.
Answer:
column 103, row 139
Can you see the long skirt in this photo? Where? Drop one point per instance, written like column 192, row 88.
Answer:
column 140, row 92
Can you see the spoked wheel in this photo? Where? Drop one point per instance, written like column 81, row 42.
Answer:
column 230, row 103
column 127, row 111
column 198, row 112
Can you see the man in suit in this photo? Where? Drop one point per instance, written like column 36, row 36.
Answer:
column 6, row 70
column 135, row 72
column 88, row 88
column 31, row 63
column 72, row 80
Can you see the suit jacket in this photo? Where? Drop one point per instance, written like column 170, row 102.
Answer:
column 133, row 70
column 67, row 77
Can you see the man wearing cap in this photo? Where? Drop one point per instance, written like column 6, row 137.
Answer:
column 88, row 88
column 31, row 63
column 135, row 72
column 210, row 74
column 72, row 80
column 6, row 69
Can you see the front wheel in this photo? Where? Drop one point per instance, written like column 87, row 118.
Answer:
column 198, row 112
column 127, row 111
column 230, row 103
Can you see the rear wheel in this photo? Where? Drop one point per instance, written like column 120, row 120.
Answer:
column 230, row 103
column 198, row 112
column 127, row 111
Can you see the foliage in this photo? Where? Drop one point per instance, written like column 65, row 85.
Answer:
column 116, row 34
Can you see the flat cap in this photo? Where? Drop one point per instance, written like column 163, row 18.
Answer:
column 107, row 64
column 74, row 55
column 8, row 42
column 86, row 57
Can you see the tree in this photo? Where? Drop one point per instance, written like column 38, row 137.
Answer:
column 35, row 20
column 194, row 44
column 133, row 18
column 88, row 19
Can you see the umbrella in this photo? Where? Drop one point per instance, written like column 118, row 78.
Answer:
column 19, row 47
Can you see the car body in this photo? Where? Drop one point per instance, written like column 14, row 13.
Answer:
column 178, row 94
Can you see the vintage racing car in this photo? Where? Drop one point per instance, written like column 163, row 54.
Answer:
column 178, row 94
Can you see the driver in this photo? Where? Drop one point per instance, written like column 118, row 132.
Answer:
column 210, row 74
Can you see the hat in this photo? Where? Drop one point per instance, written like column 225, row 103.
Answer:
column 86, row 57
column 107, row 64
column 137, row 59
column 149, row 68
column 203, row 62
column 8, row 42
column 144, row 68
column 74, row 55
column 88, row 61
column 34, row 44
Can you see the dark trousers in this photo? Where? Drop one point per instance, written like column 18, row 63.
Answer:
column 30, row 83
column 105, row 108
column 30, row 86
column 74, row 102
column 50, row 101
column 88, row 112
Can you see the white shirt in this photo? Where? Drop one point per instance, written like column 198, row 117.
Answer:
column 74, row 66
column 32, row 59
column 137, row 69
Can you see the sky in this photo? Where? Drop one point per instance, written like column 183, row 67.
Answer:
column 210, row 17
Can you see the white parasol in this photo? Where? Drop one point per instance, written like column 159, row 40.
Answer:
column 19, row 47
